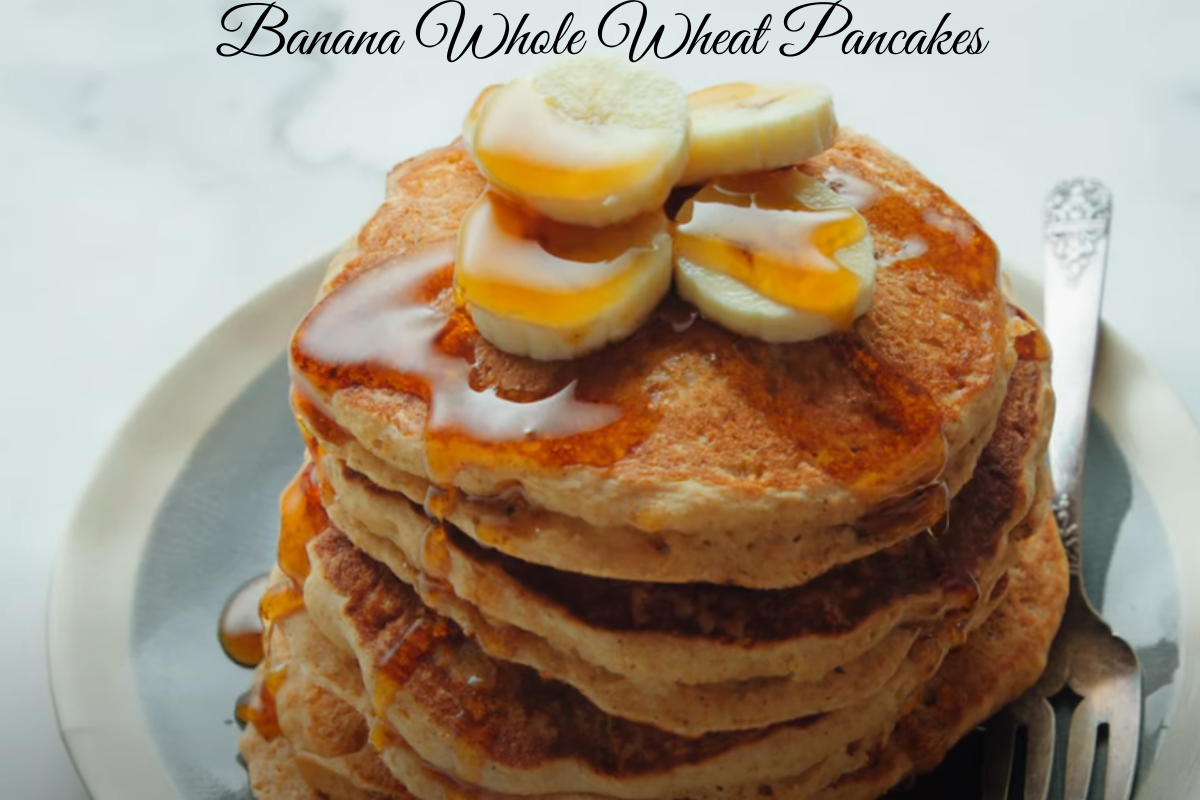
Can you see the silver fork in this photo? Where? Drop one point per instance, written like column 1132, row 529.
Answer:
column 1100, row 668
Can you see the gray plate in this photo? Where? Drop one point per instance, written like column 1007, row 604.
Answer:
column 182, row 509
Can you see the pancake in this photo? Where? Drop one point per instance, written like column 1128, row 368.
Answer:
column 761, row 441
column 700, row 633
column 502, row 726
column 996, row 664
column 338, row 763
column 693, row 709
column 688, row 566
column 513, row 525
column 274, row 773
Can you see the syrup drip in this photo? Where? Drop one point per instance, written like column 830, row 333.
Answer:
column 1032, row 346
column 303, row 517
column 280, row 601
column 239, row 628
column 312, row 415
column 436, row 561
column 405, row 656
column 491, row 516
column 764, row 232
column 524, row 267
column 439, row 502
column 257, row 706
column 389, row 328
column 419, row 643
column 253, row 607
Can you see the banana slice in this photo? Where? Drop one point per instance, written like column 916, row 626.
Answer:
column 751, row 127
column 778, row 256
column 544, row 289
column 587, row 141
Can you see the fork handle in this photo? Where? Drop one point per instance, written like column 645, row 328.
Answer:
column 1077, row 213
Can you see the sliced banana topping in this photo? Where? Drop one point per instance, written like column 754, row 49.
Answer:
column 777, row 256
column 749, row 127
column 548, row 290
column 588, row 141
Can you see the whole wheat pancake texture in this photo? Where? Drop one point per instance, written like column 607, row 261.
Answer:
column 693, row 657
column 695, row 431
column 327, row 711
column 689, row 564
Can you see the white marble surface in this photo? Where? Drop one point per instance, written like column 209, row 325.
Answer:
column 148, row 186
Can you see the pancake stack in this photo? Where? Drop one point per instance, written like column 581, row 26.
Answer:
column 688, row 565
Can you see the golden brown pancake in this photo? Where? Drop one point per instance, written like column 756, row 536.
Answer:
column 713, row 434
column 693, row 709
column 513, row 525
column 693, row 658
column 688, row 565
column 998, row 664
column 995, row 665
column 701, row 633
column 336, row 759
column 502, row 726
column 274, row 773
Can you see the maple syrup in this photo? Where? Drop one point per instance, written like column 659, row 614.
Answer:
column 405, row 656
column 439, row 503
column 396, row 327
column 281, row 600
column 313, row 418
column 764, row 231
column 436, row 561
column 302, row 516
column 252, row 608
column 257, row 706
column 1031, row 344
column 855, row 409
column 239, row 628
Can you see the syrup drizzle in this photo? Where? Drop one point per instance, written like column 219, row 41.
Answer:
column 257, row 705
column 239, row 628
column 388, row 328
column 244, row 624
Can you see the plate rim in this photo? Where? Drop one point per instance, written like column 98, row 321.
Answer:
column 97, row 709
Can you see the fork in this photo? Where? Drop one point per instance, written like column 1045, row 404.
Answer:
column 1086, row 658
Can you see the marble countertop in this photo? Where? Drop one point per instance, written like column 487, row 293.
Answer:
column 149, row 186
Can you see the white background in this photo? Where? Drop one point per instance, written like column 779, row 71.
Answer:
column 148, row 187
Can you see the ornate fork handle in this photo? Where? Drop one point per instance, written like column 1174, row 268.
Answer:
column 1100, row 669
column 1078, row 214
